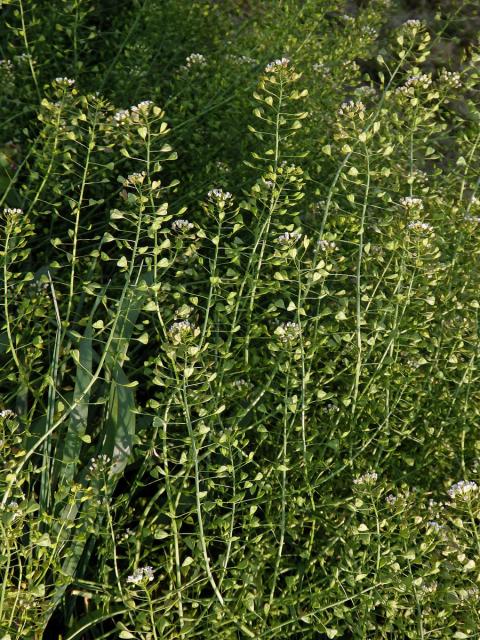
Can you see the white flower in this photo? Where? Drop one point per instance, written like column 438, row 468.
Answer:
column 181, row 226
column 411, row 202
column 219, row 196
column 352, row 109
column 288, row 332
column 367, row 478
column 469, row 218
column 135, row 178
column 420, row 227
column 462, row 489
column 65, row 82
column 326, row 245
column 195, row 59
column 142, row 107
column 142, row 575
column 122, row 116
column 7, row 211
column 289, row 238
column 413, row 25
column 451, row 78
column 181, row 330
column 433, row 524
column 391, row 499
column 277, row 65
column 7, row 414
column 99, row 464
column 321, row 67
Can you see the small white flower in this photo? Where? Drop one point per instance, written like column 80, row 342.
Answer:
column 451, row 78
column 65, row 82
column 122, row 116
column 420, row 227
column 99, row 464
column 181, row 226
column 143, row 575
column 288, row 332
column 464, row 489
column 142, row 107
column 135, row 179
column 413, row 25
column 219, row 196
column 277, row 65
column 473, row 219
column 351, row 109
column 327, row 245
column 180, row 331
column 391, row 499
column 321, row 67
column 8, row 414
column 289, row 238
column 7, row 211
column 411, row 202
column 433, row 524
column 370, row 477
column 195, row 59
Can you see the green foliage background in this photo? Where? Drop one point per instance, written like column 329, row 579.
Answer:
column 239, row 319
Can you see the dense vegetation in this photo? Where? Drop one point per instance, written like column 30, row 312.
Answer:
column 239, row 320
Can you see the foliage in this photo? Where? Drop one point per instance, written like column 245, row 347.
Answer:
column 239, row 323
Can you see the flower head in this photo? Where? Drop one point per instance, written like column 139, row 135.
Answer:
column 181, row 226
column 64, row 82
column 411, row 202
column 277, row 65
column 7, row 414
column 218, row 196
column 420, row 227
column 351, row 109
column 463, row 490
column 289, row 238
column 141, row 576
column 288, row 332
column 195, row 59
column 368, row 478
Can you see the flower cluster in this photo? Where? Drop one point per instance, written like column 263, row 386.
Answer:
column 411, row 203
column 181, row 330
column 277, row 65
column 474, row 219
column 391, row 499
column 182, row 226
column 241, row 59
column 412, row 25
column 134, row 114
column 218, row 196
column 463, row 490
column 64, row 82
column 368, row 478
column 7, row 414
column 330, row 408
column 324, row 69
column 352, row 110
column 135, row 179
column 327, row 245
column 100, row 464
column 420, row 227
column 7, row 211
column 195, row 59
column 288, row 332
column 366, row 91
column 451, row 79
column 141, row 576
column 433, row 525
column 289, row 238
column 421, row 80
